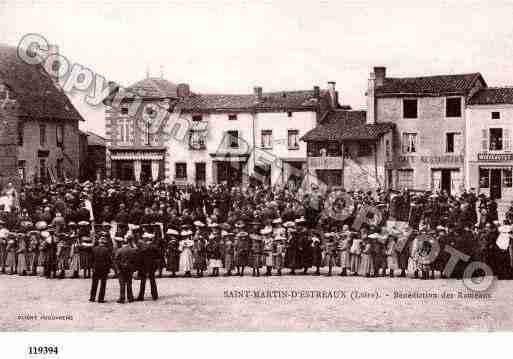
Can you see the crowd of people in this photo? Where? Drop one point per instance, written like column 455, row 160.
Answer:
column 93, row 230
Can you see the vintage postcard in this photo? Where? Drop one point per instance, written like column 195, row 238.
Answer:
column 255, row 166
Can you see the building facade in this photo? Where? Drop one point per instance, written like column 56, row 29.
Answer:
column 135, row 145
column 93, row 156
column 47, row 134
column 488, row 149
column 344, row 151
column 427, row 149
column 238, row 139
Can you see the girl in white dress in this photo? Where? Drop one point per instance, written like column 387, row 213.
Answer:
column 185, row 248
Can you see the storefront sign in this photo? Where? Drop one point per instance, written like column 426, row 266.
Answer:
column 495, row 157
column 432, row 159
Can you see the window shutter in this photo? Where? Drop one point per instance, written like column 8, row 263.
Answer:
column 119, row 130
column 484, row 140
column 131, row 134
column 458, row 143
column 404, row 143
column 506, row 139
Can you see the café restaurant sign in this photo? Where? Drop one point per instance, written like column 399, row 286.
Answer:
column 495, row 157
column 432, row 159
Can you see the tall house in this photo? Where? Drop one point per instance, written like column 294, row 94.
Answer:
column 488, row 150
column 134, row 122
column 242, row 138
column 40, row 134
column 428, row 146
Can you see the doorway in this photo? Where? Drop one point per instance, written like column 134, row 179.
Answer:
column 445, row 181
column 495, row 184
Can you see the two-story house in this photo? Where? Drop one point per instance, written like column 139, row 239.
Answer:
column 46, row 123
column 489, row 155
column 345, row 151
column 240, row 138
column 428, row 146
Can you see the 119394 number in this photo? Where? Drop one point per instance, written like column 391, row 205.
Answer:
column 43, row 350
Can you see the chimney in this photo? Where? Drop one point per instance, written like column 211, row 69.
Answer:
column 54, row 64
column 380, row 72
column 333, row 94
column 258, row 92
column 371, row 99
column 317, row 92
column 183, row 90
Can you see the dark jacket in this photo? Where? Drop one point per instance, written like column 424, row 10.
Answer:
column 125, row 258
column 149, row 255
column 102, row 260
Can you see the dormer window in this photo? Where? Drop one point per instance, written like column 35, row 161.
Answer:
column 232, row 117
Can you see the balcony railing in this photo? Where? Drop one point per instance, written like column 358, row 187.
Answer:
column 325, row 163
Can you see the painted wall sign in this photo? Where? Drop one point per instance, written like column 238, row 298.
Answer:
column 495, row 157
column 432, row 159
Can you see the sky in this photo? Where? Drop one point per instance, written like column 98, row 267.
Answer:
column 232, row 46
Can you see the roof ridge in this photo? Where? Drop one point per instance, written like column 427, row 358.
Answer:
column 432, row 76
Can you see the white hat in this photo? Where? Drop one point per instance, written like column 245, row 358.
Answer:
column 45, row 234
column 277, row 221
column 199, row 224
column 186, row 233
column 148, row 235
column 266, row 230
column 172, row 232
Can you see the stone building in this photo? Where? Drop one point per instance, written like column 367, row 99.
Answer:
column 249, row 137
column 427, row 147
column 135, row 150
column 489, row 155
column 93, row 156
column 46, row 131
column 345, row 151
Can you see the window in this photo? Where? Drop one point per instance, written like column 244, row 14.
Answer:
column 21, row 128
column 409, row 143
column 289, row 114
column 21, row 169
column 267, row 139
column 293, row 139
column 200, row 172
column 124, row 131
column 59, row 135
column 232, row 117
column 124, row 110
column 59, row 168
column 42, row 169
column 181, row 170
column 496, row 115
column 334, row 149
column 197, row 118
column 233, row 139
column 405, row 178
column 496, row 139
column 453, row 107
column 452, row 142
column 410, row 108
column 364, row 149
column 42, row 135
column 197, row 140
column 506, row 178
column 484, row 178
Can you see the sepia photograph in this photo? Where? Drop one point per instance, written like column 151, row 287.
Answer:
column 255, row 166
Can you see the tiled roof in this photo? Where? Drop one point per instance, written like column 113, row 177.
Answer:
column 346, row 125
column 492, row 96
column 429, row 85
column 271, row 100
column 95, row 140
column 154, row 87
column 34, row 89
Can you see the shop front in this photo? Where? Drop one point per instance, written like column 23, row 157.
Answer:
column 491, row 174
column 137, row 165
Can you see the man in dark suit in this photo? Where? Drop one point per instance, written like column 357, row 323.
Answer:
column 148, row 256
column 124, row 260
column 102, row 262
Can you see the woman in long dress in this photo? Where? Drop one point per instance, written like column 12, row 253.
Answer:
column 391, row 255
column 185, row 248
column 367, row 263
